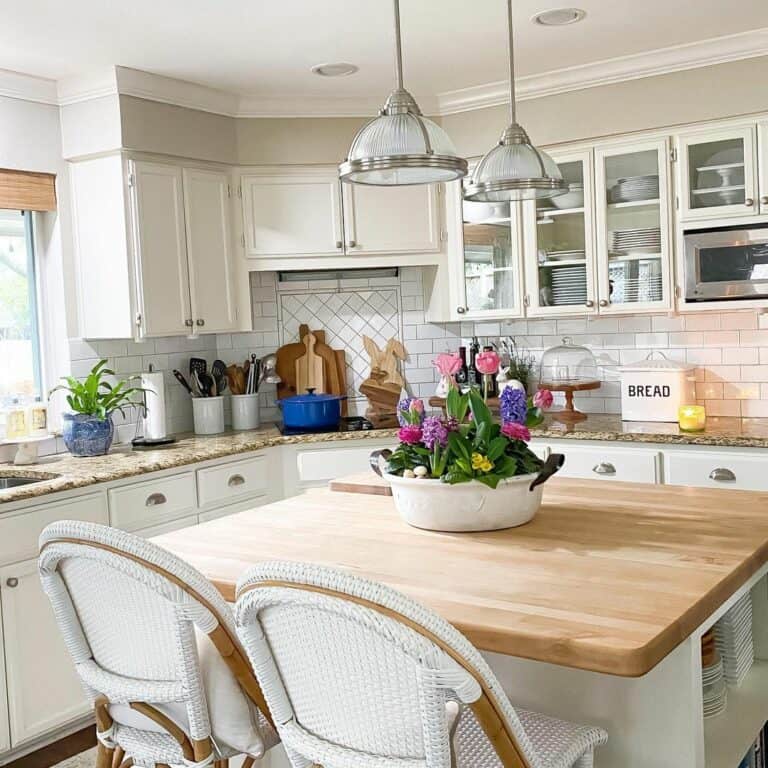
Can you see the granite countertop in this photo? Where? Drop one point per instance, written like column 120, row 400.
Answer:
column 64, row 472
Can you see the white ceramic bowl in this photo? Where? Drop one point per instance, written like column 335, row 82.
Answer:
column 574, row 198
column 471, row 506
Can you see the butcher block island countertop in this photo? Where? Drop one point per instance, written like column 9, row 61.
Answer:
column 603, row 579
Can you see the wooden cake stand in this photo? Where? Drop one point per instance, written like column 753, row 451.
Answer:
column 569, row 415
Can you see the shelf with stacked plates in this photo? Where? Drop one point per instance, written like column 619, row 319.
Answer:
column 633, row 227
column 718, row 173
column 559, row 248
column 734, row 678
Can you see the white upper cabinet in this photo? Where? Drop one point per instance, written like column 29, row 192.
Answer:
column 209, row 250
column 762, row 164
column 293, row 214
column 718, row 173
column 153, row 246
column 161, row 249
column 633, row 227
column 391, row 219
column 559, row 250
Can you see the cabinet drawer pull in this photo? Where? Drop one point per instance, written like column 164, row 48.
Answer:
column 604, row 302
column 12, row 582
column 236, row 480
column 155, row 499
column 352, row 244
column 200, row 321
column 722, row 475
column 764, row 200
column 749, row 202
column 461, row 310
column 604, row 468
column 339, row 244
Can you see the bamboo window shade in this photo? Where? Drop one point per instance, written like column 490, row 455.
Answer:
column 27, row 191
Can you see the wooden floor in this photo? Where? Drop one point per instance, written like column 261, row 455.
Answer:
column 61, row 750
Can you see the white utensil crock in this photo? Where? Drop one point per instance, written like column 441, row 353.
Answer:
column 471, row 506
column 245, row 411
column 208, row 415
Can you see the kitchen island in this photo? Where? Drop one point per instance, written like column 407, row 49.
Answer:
column 593, row 612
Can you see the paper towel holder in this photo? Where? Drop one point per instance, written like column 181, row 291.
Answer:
column 140, row 442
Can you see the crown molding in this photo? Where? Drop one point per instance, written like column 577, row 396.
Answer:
column 92, row 85
column 306, row 106
column 16, row 85
column 703, row 53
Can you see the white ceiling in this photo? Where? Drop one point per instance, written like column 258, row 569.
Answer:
column 266, row 49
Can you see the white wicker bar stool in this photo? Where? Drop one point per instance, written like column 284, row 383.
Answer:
column 156, row 649
column 357, row 675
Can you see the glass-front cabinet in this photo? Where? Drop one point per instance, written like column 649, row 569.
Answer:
column 718, row 173
column 633, row 227
column 559, row 244
column 762, row 162
column 488, row 273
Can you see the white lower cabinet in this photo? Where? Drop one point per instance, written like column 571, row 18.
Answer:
column 44, row 692
column 174, row 525
column 721, row 469
column 5, row 735
column 607, row 462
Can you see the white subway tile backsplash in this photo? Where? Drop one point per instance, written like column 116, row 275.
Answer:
column 756, row 338
column 741, row 391
column 712, row 390
column 723, row 407
column 666, row 323
column 721, row 338
column 704, row 322
column 657, row 339
column 635, row 324
column 413, row 318
column 754, row 408
column 739, row 321
column 704, row 356
column 755, row 373
column 430, row 332
column 742, row 355
column 487, row 329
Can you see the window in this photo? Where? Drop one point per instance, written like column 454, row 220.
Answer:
column 19, row 336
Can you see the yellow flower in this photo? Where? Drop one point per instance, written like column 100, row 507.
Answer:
column 481, row 462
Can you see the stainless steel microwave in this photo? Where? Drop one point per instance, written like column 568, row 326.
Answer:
column 726, row 263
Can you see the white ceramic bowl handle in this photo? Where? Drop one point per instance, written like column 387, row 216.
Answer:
column 375, row 459
column 550, row 467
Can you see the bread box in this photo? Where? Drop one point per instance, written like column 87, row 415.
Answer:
column 654, row 389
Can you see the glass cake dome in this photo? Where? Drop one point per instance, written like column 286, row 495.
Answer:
column 568, row 364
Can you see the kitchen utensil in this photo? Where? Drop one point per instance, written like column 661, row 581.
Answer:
column 285, row 366
column 309, row 367
column 218, row 371
column 330, row 371
column 207, row 384
column 311, row 411
column 184, row 383
column 255, row 379
column 197, row 364
column 268, row 372
column 341, row 369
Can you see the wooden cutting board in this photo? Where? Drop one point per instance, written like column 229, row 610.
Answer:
column 341, row 370
column 362, row 482
column 287, row 356
column 330, row 371
column 309, row 368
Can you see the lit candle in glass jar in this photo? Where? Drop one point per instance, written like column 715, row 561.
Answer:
column 692, row 418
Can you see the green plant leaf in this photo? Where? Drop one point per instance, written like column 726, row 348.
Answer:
column 490, row 480
column 496, row 448
column 459, row 446
column 455, row 477
column 480, row 413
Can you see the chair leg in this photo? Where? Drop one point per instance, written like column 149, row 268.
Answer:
column 118, row 757
column 248, row 762
column 127, row 763
column 221, row 763
column 104, row 756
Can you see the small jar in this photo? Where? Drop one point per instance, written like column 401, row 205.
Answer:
column 37, row 418
column 15, row 421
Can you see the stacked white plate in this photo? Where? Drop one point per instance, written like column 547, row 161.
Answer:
column 635, row 188
column 565, row 255
column 639, row 240
column 635, row 281
column 569, row 284
column 733, row 638
column 714, row 691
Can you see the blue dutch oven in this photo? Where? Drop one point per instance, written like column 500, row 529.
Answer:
column 311, row 411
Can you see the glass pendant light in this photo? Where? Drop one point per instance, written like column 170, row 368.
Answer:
column 514, row 169
column 400, row 146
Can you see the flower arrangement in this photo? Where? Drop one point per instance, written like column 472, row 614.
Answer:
column 468, row 444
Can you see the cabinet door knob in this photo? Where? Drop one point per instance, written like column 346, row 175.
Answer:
column 461, row 310
column 188, row 322
column 604, row 302
column 604, row 468
column 589, row 304
column 339, row 244
column 12, row 582
column 749, row 202
column 200, row 321
column 236, row 480
column 764, row 200
column 352, row 244
column 155, row 499
column 722, row 475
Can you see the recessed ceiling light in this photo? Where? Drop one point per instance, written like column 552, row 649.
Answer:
column 337, row 69
column 558, row 17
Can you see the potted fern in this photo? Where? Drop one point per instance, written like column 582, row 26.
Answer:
column 88, row 430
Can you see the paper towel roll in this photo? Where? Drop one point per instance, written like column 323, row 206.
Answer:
column 154, row 420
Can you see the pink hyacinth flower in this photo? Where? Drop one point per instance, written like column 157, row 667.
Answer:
column 487, row 362
column 410, row 434
column 446, row 364
column 543, row 399
column 515, row 431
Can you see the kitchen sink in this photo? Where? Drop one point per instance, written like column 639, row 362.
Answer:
column 13, row 481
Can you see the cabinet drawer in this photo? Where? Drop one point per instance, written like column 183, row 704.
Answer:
column 717, row 470
column 321, row 466
column 19, row 532
column 163, row 528
column 143, row 504
column 220, row 485
column 609, row 463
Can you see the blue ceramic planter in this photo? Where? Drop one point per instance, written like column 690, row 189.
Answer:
column 86, row 435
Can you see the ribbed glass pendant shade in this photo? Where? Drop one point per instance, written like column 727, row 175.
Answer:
column 401, row 146
column 514, row 169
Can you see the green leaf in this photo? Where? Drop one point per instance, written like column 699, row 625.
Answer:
column 534, row 418
column 459, row 446
column 455, row 477
column 490, row 480
column 496, row 448
column 480, row 413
